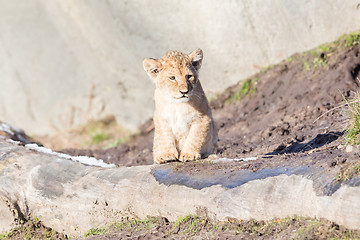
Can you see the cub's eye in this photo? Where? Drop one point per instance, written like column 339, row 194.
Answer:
column 172, row 78
column 188, row 77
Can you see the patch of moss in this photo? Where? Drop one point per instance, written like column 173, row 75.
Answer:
column 318, row 57
column 267, row 68
column 324, row 49
column 32, row 229
column 98, row 137
column 247, row 87
column 125, row 223
column 319, row 62
column 104, row 133
column 189, row 225
column 346, row 40
column 95, row 231
column 141, row 224
column 306, row 65
column 116, row 142
column 288, row 60
column 351, row 39
column 313, row 60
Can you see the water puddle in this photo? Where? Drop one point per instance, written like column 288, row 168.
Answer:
column 227, row 180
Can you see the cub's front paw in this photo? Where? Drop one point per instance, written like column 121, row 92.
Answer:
column 184, row 157
column 165, row 157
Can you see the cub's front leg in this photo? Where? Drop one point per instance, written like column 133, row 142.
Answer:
column 196, row 139
column 164, row 149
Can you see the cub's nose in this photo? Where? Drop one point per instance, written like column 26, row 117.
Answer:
column 183, row 92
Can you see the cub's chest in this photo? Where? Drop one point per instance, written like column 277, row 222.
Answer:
column 179, row 119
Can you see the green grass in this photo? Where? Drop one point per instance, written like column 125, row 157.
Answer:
column 351, row 39
column 318, row 57
column 137, row 224
column 31, row 229
column 348, row 171
column 189, row 226
column 307, row 230
column 306, row 65
column 5, row 235
column 96, row 133
column 353, row 131
column 352, row 170
column 192, row 221
column 104, row 133
column 95, row 231
column 267, row 68
column 247, row 88
column 346, row 40
column 351, row 137
column 98, row 137
column 319, row 62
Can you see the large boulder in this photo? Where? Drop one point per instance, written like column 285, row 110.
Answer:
column 64, row 62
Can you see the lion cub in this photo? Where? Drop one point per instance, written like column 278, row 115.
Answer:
column 184, row 127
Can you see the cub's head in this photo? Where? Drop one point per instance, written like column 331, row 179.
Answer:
column 175, row 74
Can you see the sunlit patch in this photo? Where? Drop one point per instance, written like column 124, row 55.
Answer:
column 91, row 161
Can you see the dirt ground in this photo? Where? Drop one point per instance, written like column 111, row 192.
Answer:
column 292, row 108
column 194, row 227
column 293, row 114
column 290, row 114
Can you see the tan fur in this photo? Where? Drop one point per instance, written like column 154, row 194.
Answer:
column 184, row 127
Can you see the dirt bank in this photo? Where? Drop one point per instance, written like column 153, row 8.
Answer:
column 290, row 109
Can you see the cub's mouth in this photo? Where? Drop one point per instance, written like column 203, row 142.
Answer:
column 183, row 98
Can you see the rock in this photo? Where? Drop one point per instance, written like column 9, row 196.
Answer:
column 65, row 61
column 349, row 148
column 15, row 134
column 340, row 146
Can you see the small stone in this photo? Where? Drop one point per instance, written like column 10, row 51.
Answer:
column 340, row 146
column 349, row 148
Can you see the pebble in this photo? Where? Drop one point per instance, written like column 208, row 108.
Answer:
column 349, row 148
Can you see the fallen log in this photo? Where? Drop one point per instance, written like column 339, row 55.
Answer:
column 72, row 197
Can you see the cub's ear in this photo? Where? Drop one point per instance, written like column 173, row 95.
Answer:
column 152, row 67
column 196, row 58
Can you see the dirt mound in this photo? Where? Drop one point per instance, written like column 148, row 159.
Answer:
column 287, row 108
column 284, row 110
